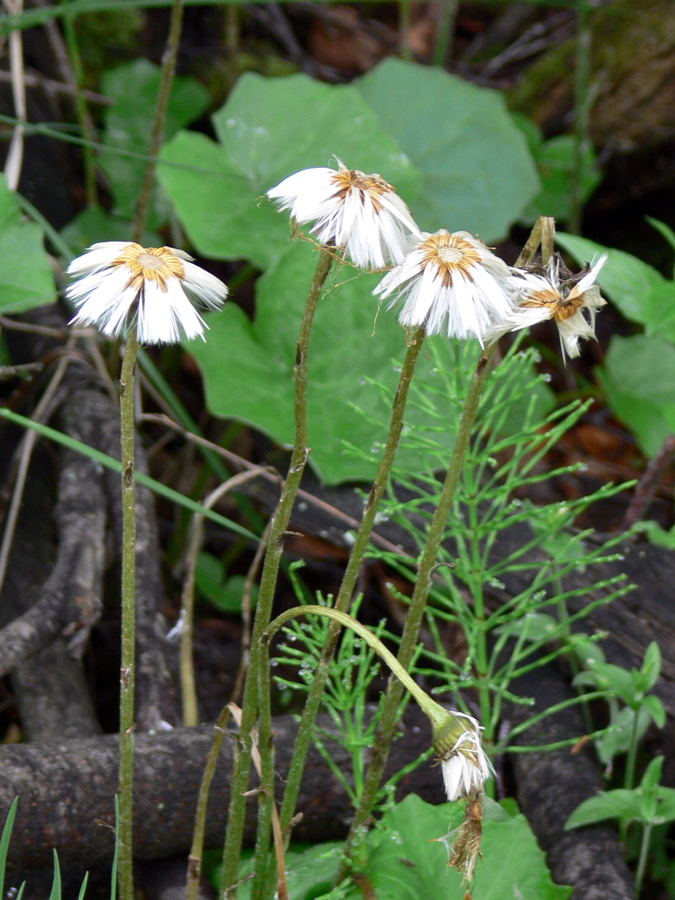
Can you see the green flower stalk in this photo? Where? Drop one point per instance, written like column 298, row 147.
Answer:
column 123, row 288
column 451, row 256
column 455, row 738
column 346, row 592
column 279, row 524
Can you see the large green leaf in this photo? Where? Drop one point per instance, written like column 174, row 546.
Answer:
column 478, row 172
column 25, row 274
column 269, row 129
column 128, row 123
column 641, row 293
column 638, row 377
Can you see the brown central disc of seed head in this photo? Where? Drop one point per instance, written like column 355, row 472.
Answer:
column 352, row 179
column 451, row 254
column 156, row 264
column 561, row 308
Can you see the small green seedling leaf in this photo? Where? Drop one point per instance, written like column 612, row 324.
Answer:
column 618, row 804
column 651, row 667
column 655, row 709
column 225, row 593
column 652, row 776
column 56, row 883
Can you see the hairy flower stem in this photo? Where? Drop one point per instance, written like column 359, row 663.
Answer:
column 128, row 665
column 235, row 821
column 541, row 234
column 128, row 434
column 349, row 579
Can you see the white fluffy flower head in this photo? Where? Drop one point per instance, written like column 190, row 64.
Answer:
column 451, row 283
column 118, row 281
column 361, row 214
column 464, row 763
column 571, row 301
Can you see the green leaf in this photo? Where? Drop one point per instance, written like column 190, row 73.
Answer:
column 410, row 861
column 664, row 230
column 4, row 842
column 272, row 128
column 478, row 173
column 556, row 161
column 651, row 667
column 619, row 738
column 652, row 776
column 614, row 678
column 641, row 293
column 666, row 804
column 213, row 584
column 55, row 893
column 128, row 124
column 657, row 535
column 269, row 129
column 619, row 804
column 586, row 649
column 655, row 709
column 25, row 274
column 248, row 366
column 407, row 859
column 639, row 391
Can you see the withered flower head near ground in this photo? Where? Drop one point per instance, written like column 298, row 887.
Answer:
column 464, row 763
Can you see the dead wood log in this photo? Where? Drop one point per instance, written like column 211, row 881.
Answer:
column 51, row 692
column 66, row 792
column 550, row 787
column 68, row 602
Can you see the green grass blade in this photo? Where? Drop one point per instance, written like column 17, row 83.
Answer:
column 83, row 888
column 4, row 842
column 111, row 463
column 56, row 883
